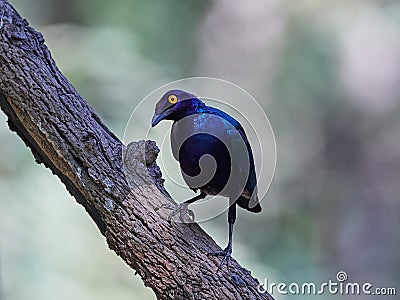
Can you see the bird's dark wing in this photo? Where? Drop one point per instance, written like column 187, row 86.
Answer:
column 250, row 201
column 249, row 198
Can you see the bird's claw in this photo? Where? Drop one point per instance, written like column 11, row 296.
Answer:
column 182, row 209
column 165, row 205
column 226, row 253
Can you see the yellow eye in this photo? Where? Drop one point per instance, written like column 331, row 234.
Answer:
column 172, row 99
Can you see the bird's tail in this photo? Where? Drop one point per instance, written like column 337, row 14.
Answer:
column 244, row 202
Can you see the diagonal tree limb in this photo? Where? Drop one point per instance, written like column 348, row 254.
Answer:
column 120, row 187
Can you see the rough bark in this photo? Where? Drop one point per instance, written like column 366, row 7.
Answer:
column 120, row 187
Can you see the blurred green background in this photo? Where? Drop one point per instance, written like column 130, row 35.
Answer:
column 326, row 73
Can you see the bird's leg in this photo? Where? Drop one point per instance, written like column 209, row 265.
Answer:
column 182, row 208
column 226, row 253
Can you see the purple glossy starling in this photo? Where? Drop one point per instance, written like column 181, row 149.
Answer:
column 214, row 155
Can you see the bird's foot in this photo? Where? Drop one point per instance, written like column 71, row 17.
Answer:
column 226, row 253
column 182, row 209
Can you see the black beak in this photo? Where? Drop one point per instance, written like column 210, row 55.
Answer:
column 157, row 118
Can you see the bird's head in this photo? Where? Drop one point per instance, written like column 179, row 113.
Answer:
column 174, row 105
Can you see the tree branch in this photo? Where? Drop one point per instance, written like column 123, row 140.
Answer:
column 121, row 197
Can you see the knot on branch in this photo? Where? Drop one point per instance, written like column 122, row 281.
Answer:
column 140, row 167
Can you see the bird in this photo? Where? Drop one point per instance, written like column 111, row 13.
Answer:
column 214, row 155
